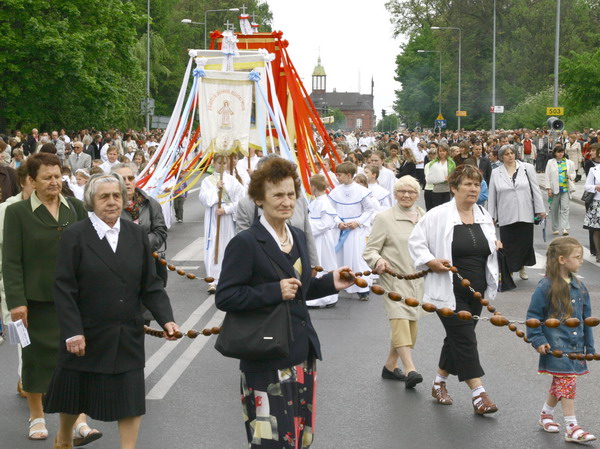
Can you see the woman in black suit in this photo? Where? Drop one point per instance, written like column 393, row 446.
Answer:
column 409, row 164
column 104, row 273
column 249, row 280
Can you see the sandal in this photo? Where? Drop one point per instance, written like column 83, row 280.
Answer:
column 83, row 434
column 43, row 432
column 441, row 394
column 482, row 404
column 576, row 434
column 549, row 425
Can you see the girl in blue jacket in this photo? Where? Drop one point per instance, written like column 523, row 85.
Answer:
column 560, row 294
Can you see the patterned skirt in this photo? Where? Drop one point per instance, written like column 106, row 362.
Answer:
column 592, row 217
column 279, row 407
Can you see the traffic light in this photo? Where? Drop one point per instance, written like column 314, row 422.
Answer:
column 383, row 113
column 555, row 124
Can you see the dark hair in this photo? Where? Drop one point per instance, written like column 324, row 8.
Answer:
column 558, row 148
column 37, row 160
column 347, row 168
column 273, row 170
column 48, row 148
column 22, row 173
column 464, row 171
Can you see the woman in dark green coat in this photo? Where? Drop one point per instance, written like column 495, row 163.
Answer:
column 32, row 230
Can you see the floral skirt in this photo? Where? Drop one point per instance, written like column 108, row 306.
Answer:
column 592, row 217
column 279, row 407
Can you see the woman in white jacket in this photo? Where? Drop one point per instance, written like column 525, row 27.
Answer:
column 559, row 177
column 458, row 233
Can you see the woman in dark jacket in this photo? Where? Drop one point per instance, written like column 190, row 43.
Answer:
column 249, row 280
column 408, row 165
column 104, row 273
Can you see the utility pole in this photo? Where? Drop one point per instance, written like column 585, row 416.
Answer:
column 494, row 75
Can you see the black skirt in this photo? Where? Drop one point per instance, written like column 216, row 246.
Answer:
column 517, row 239
column 104, row 397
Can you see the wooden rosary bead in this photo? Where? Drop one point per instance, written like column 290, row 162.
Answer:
column 454, row 269
column 557, row 353
column 499, row 320
column 192, row 333
column 367, row 273
column 491, row 309
column 360, row 282
column 411, row 302
column 181, row 272
column 477, row 296
column 520, row 333
column 215, row 330
column 572, row 356
column 394, row 296
column 465, row 283
column 552, row 322
column 533, row 323
column 206, row 332
column 163, row 261
column 155, row 255
column 377, row 289
column 596, row 356
column 346, row 275
column 572, row 322
column 428, row 307
column 318, row 268
column 484, row 302
column 589, row 357
column 171, row 267
column 591, row 321
column 209, row 280
column 525, row 339
column 178, row 334
column 464, row 315
column 446, row 311
column 580, row 356
column 512, row 327
column 191, row 276
column 357, row 273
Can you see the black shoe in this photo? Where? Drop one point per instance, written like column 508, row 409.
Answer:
column 397, row 374
column 412, row 379
column 330, row 306
column 363, row 296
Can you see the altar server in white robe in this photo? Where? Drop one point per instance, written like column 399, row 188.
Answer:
column 382, row 195
column 323, row 223
column 243, row 162
column 232, row 192
column 387, row 178
column 352, row 204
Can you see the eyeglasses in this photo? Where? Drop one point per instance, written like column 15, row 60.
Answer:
column 129, row 178
column 406, row 192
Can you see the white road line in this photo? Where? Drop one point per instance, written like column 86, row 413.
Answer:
column 163, row 386
column 588, row 257
column 168, row 346
column 194, row 267
column 540, row 262
column 194, row 251
column 195, row 189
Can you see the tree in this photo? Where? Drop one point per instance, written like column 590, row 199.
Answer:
column 64, row 66
column 388, row 123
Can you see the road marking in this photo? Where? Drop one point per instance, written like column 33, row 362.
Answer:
column 540, row 262
column 162, row 387
column 194, row 251
column 195, row 267
column 168, row 346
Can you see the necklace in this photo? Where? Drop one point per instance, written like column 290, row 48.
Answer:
column 286, row 241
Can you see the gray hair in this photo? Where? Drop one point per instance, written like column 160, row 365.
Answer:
column 503, row 149
column 92, row 186
column 408, row 181
column 130, row 165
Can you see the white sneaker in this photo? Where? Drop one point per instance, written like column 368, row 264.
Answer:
column 523, row 274
column 212, row 288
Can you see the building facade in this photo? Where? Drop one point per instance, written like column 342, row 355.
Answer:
column 356, row 107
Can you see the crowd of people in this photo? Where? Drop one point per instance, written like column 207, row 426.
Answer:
column 481, row 195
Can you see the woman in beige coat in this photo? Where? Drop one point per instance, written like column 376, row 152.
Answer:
column 387, row 247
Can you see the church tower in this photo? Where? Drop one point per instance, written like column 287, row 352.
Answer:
column 319, row 78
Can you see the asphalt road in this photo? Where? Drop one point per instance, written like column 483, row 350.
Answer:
column 193, row 392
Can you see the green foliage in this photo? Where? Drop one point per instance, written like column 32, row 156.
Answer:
column 339, row 119
column 524, row 53
column 530, row 113
column 82, row 63
column 388, row 123
column 581, row 77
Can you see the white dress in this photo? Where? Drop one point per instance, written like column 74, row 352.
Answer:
column 352, row 203
column 233, row 191
column 323, row 223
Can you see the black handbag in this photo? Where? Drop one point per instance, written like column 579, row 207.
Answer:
column 587, row 198
column 505, row 280
column 260, row 334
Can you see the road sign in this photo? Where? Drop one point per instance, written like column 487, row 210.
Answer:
column 555, row 111
column 497, row 109
column 461, row 113
column 440, row 123
column 440, row 117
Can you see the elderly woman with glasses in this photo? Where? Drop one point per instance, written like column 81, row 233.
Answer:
column 387, row 248
column 104, row 273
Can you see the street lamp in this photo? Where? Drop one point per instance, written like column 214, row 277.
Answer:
column 147, row 108
column 459, row 61
column 494, row 75
column 440, row 94
column 189, row 21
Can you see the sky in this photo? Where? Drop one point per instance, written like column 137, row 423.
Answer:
column 355, row 41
